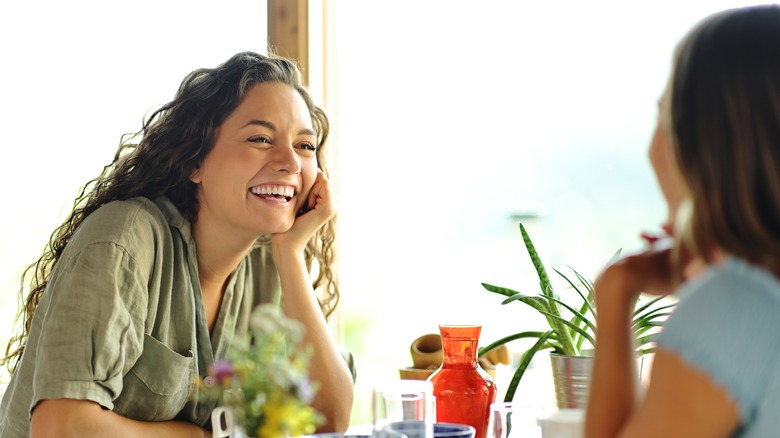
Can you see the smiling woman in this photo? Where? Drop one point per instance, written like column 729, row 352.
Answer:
column 271, row 129
column 166, row 253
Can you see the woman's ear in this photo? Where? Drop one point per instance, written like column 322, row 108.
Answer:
column 195, row 175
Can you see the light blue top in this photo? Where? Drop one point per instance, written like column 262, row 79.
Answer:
column 727, row 324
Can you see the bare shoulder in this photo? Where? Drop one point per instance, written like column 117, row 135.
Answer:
column 682, row 401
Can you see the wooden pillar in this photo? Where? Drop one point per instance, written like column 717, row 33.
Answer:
column 288, row 31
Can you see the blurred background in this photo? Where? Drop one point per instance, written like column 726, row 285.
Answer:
column 453, row 122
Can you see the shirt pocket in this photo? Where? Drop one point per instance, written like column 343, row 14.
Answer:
column 158, row 386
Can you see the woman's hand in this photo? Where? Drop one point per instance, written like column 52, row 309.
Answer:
column 320, row 207
column 613, row 390
column 650, row 271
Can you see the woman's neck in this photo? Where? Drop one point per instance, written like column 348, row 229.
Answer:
column 218, row 257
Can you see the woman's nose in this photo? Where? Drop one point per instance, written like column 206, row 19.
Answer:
column 285, row 159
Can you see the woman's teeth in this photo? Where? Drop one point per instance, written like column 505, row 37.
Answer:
column 276, row 191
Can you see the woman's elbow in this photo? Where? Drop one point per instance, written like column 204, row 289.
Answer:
column 337, row 412
column 63, row 418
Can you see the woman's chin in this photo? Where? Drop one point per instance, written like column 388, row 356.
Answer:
column 277, row 226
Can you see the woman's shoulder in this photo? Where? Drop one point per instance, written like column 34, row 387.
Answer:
column 732, row 298
column 125, row 209
column 735, row 281
column 726, row 325
column 126, row 223
column 730, row 303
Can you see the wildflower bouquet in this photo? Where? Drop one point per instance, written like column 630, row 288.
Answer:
column 264, row 378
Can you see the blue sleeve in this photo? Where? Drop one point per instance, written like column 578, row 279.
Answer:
column 727, row 325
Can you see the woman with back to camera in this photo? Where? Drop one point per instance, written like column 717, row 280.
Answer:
column 138, row 288
column 716, row 154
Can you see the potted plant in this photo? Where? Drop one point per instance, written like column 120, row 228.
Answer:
column 570, row 329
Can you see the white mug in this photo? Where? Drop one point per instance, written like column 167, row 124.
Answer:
column 223, row 424
column 564, row 423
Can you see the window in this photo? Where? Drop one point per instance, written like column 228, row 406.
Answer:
column 456, row 121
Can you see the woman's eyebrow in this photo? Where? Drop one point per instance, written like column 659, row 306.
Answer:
column 271, row 126
column 264, row 123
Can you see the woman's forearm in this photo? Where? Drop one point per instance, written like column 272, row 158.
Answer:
column 614, row 382
column 328, row 368
column 79, row 418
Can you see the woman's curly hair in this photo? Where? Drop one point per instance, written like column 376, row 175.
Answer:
column 159, row 159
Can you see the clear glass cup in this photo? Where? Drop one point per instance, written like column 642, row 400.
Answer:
column 404, row 406
column 514, row 420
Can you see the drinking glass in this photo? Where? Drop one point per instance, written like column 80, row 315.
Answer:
column 514, row 420
column 404, row 406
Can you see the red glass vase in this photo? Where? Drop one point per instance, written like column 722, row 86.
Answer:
column 463, row 390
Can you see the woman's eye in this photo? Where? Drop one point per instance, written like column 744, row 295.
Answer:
column 308, row 147
column 261, row 139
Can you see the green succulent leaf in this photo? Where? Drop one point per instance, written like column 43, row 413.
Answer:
column 575, row 328
column 546, row 286
column 652, row 321
column 578, row 316
column 585, row 282
column 640, row 332
column 524, row 362
column 586, row 299
column 538, row 303
column 647, row 339
column 500, row 290
column 510, row 338
column 658, row 312
column 646, row 351
column 647, row 305
column 541, row 272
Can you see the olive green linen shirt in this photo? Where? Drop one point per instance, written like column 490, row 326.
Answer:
column 122, row 322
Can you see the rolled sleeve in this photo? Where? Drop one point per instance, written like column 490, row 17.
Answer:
column 92, row 325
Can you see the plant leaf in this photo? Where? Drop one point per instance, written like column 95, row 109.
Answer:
column 614, row 257
column 577, row 315
column 641, row 331
column 524, row 362
column 647, row 305
column 655, row 313
column 541, row 272
column 647, row 339
column 646, row 351
column 585, row 301
column 507, row 339
column 500, row 290
column 544, row 282
column 538, row 303
column 645, row 322
column 573, row 327
column 513, row 295
column 585, row 282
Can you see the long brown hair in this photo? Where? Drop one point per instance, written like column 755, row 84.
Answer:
column 725, row 117
column 174, row 140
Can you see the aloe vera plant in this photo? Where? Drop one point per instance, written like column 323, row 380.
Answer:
column 570, row 329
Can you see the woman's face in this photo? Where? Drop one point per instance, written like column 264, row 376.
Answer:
column 262, row 166
column 664, row 164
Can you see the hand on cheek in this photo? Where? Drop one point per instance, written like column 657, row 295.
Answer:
column 318, row 209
